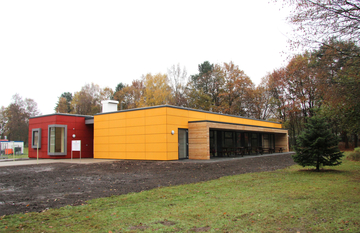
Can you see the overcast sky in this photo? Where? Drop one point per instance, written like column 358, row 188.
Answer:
column 50, row 47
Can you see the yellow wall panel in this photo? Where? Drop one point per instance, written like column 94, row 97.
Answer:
column 212, row 117
column 156, row 147
column 172, row 138
column 175, row 127
column 117, row 139
column 116, row 131
column 135, row 122
column 134, row 114
column 156, row 155
column 135, row 139
column 102, row 140
column 117, row 123
column 153, row 138
column 136, row 130
column 155, row 112
column 173, row 156
column 98, row 118
column 138, row 147
column 177, row 112
column 197, row 115
column 101, row 132
column 171, row 146
column 175, row 120
column 155, row 129
column 117, row 147
column 136, row 155
column 117, row 155
column 101, row 125
column 101, row 155
column 101, row 147
column 155, row 120
column 116, row 116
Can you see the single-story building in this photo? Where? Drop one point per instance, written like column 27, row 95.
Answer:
column 154, row 133
column 50, row 136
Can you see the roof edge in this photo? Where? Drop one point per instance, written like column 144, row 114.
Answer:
column 183, row 108
column 64, row 114
column 229, row 123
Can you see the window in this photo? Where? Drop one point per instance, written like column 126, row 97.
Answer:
column 36, row 138
column 57, row 140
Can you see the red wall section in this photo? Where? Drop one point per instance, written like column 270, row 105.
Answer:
column 75, row 125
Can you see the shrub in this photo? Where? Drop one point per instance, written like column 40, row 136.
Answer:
column 354, row 156
column 357, row 149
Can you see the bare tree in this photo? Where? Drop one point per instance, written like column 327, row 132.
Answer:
column 177, row 80
column 318, row 20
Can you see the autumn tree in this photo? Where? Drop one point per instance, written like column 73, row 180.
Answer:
column 296, row 92
column 157, row 90
column 235, row 95
column 64, row 103
column 130, row 96
column 339, row 63
column 86, row 101
column 15, row 118
column 262, row 103
column 204, row 88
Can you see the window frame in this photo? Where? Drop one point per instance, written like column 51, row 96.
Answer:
column 65, row 140
column 33, row 143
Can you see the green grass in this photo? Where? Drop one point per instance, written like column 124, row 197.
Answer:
column 289, row 200
column 17, row 156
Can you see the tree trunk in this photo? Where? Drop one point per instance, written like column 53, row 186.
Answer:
column 345, row 139
column 356, row 140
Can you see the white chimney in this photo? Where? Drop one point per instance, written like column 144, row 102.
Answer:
column 109, row 105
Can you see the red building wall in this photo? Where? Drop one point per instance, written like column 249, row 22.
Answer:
column 75, row 125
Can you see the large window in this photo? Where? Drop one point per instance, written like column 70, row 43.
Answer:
column 57, row 140
column 36, row 138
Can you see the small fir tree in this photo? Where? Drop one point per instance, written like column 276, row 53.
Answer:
column 317, row 146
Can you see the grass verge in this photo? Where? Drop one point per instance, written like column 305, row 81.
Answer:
column 287, row 200
column 17, row 156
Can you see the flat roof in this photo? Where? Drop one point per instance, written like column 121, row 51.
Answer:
column 183, row 108
column 65, row 114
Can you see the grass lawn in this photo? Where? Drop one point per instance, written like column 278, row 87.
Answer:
column 17, row 156
column 289, row 200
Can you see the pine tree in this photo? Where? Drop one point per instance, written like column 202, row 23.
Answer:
column 317, row 146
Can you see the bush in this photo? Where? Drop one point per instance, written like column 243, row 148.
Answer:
column 353, row 156
column 357, row 149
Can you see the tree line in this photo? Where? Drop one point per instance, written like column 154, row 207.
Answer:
column 222, row 88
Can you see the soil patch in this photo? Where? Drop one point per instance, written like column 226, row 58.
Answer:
column 38, row 187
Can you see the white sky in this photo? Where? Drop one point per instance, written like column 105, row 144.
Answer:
column 50, row 47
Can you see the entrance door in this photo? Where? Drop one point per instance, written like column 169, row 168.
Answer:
column 183, row 144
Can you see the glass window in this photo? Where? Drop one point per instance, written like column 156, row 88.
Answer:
column 57, row 140
column 266, row 143
column 228, row 141
column 36, row 138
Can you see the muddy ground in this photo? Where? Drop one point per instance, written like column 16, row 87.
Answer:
column 37, row 187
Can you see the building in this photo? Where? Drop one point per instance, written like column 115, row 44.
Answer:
column 51, row 136
column 155, row 133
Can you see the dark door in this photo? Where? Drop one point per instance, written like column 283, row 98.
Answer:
column 183, row 144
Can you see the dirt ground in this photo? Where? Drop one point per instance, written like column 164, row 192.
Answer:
column 37, row 187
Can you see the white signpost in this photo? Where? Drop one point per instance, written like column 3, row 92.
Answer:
column 75, row 146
